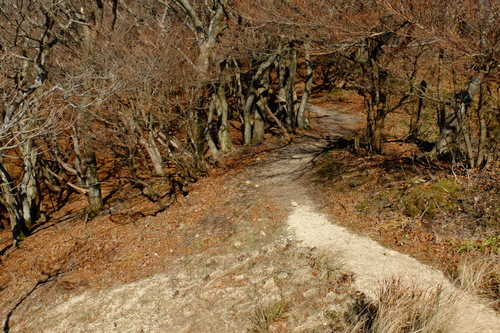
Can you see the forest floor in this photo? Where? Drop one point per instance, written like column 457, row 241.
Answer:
column 278, row 238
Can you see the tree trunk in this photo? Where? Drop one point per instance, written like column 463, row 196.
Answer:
column 226, row 143
column 302, row 119
column 148, row 141
column 95, row 196
column 209, row 128
column 11, row 203
column 281, row 96
column 252, row 93
column 89, row 157
column 454, row 124
column 441, row 107
column 464, row 132
column 196, row 132
column 483, row 129
column 259, row 123
column 154, row 153
column 376, row 112
column 416, row 115
column 28, row 187
column 290, row 89
column 375, row 133
column 247, row 111
column 86, row 118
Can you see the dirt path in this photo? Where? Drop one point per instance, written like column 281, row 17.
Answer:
column 369, row 261
column 232, row 291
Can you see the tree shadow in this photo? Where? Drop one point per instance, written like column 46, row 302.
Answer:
column 2, row 251
column 50, row 221
column 6, row 324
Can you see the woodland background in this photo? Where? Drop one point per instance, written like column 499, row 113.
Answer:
column 151, row 94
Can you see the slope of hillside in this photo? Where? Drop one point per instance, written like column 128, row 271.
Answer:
column 249, row 249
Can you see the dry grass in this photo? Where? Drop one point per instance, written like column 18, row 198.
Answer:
column 482, row 277
column 266, row 316
column 404, row 307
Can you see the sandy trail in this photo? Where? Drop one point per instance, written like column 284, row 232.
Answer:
column 369, row 261
column 372, row 263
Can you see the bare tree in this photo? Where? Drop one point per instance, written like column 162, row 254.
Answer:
column 206, row 24
column 26, row 37
column 467, row 42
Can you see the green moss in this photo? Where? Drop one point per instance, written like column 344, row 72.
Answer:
column 416, row 200
column 428, row 200
column 490, row 245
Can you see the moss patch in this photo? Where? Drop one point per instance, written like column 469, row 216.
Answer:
column 429, row 199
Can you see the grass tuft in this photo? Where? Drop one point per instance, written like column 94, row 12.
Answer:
column 402, row 307
column 481, row 277
column 265, row 316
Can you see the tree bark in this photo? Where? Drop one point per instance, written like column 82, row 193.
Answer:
column 259, row 123
column 302, row 119
column 252, row 93
column 376, row 121
column 290, row 89
column 454, row 124
column 441, row 114
column 209, row 128
column 86, row 119
column 483, row 129
column 226, row 143
column 11, row 203
column 416, row 115
column 148, row 141
column 28, row 187
column 95, row 196
column 376, row 107
column 247, row 111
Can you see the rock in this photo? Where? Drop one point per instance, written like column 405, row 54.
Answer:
column 238, row 278
column 237, row 244
column 294, row 204
column 269, row 284
column 330, row 297
column 310, row 293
